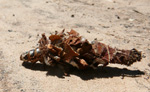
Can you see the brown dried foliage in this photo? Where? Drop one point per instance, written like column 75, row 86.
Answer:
column 73, row 49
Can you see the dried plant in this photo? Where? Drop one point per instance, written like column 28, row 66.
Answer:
column 72, row 49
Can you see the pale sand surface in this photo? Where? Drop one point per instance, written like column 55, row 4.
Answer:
column 124, row 24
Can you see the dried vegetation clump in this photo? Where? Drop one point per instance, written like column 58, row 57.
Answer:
column 72, row 49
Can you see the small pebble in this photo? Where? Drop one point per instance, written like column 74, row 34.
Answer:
column 149, row 64
column 95, row 39
column 22, row 90
column 88, row 31
column 143, row 56
column 9, row 30
column 131, row 20
column 105, row 26
column 29, row 36
column 72, row 16
column 117, row 16
column 108, row 8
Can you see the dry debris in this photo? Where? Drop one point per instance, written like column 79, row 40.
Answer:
column 72, row 49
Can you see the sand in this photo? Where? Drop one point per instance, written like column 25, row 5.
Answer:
column 124, row 24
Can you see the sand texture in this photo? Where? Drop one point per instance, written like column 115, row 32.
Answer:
column 124, row 24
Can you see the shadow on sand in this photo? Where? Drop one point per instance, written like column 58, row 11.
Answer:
column 107, row 72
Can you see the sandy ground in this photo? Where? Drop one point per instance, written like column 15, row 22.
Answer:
column 124, row 24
